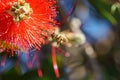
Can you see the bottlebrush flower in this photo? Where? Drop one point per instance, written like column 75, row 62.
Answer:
column 26, row 23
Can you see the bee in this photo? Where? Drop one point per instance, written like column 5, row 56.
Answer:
column 58, row 39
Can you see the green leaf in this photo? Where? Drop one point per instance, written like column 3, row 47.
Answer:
column 102, row 11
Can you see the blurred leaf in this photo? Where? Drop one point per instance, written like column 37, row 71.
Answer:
column 102, row 11
column 115, row 7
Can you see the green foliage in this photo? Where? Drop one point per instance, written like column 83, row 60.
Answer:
column 47, row 69
column 104, row 10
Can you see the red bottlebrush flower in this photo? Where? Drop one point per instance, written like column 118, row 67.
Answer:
column 26, row 23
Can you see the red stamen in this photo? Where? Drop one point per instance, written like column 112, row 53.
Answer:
column 40, row 73
column 55, row 63
column 29, row 64
column 3, row 60
column 12, row 53
column 66, row 54
column 68, row 14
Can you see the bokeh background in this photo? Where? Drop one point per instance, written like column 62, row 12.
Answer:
column 94, row 55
